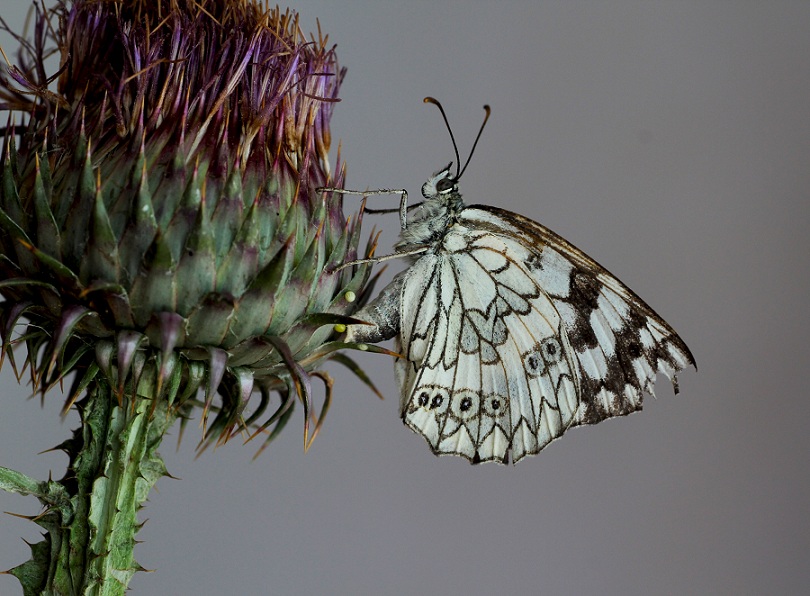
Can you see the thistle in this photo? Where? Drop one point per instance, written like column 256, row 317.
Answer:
column 164, row 243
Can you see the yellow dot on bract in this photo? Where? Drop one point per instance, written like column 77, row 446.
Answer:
column 362, row 347
column 350, row 296
column 340, row 328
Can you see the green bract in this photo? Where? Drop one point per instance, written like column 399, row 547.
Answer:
column 161, row 224
column 162, row 237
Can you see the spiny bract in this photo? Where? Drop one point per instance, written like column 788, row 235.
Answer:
column 161, row 225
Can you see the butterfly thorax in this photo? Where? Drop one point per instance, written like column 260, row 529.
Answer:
column 436, row 215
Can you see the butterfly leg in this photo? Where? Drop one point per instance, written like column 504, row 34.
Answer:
column 397, row 255
column 403, row 200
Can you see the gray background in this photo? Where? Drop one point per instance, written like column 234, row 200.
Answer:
column 671, row 141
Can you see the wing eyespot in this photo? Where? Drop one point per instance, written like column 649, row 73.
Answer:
column 466, row 404
column 423, row 399
column 534, row 363
column 551, row 349
column 496, row 405
column 432, row 398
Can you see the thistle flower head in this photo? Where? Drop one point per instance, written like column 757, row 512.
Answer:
column 161, row 225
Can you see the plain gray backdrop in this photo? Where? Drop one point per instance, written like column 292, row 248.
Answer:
column 670, row 141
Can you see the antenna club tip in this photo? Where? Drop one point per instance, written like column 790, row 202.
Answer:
column 459, row 170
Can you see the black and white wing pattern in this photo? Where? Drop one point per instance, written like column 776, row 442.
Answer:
column 487, row 364
column 509, row 334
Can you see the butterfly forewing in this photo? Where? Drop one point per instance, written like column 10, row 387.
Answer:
column 620, row 343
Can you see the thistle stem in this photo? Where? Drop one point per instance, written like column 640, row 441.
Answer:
column 91, row 514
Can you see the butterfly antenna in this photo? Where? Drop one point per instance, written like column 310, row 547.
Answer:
column 488, row 111
column 460, row 170
column 450, row 130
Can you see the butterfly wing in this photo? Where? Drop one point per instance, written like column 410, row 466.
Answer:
column 487, row 366
column 511, row 335
column 619, row 342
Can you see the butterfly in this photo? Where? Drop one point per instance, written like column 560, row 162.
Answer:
column 509, row 335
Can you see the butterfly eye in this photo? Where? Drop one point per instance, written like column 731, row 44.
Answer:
column 445, row 184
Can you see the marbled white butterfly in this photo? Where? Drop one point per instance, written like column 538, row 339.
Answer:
column 509, row 335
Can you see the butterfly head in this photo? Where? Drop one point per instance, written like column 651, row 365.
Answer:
column 431, row 219
column 442, row 185
column 443, row 204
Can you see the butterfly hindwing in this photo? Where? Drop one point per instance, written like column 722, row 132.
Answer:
column 486, row 367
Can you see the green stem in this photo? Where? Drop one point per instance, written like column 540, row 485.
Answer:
column 91, row 514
